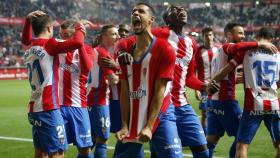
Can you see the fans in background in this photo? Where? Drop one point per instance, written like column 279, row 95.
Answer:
column 42, row 62
column 98, row 86
column 147, row 114
column 261, row 76
column 204, row 58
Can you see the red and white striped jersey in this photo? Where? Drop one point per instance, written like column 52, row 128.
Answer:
column 73, row 71
column 42, row 62
column 157, row 63
column 261, row 72
column 226, row 53
column 204, row 58
column 184, row 48
column 98, row 85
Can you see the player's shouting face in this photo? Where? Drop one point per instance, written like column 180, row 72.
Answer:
column 141, row 19
column 177, row 15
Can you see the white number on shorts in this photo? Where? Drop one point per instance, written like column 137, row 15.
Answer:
column 105, row 122
column 60, row 131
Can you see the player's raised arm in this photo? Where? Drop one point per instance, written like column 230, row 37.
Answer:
column 76, row 42
column 27, row 29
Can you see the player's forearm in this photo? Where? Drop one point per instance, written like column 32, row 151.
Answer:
column 242, row 46
column 193, row 82
column 113, row 79
column 124, row 103
column 26, row 33
column 222, row 74
column 156, row 102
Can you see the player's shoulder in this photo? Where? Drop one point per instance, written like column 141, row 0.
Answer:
column 126, row 44
column 163, row 47
column 162, row 31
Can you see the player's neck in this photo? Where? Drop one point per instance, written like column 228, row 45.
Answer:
column 43, row 35
column 143, row 40
column 177, row 29
column 208, row 45
column 106, row 46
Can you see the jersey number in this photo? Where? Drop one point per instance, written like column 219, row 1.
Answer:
column 37, row 67
column 264, row 69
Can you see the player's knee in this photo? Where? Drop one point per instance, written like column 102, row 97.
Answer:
column 213, row 139
column 101, row 140
column 241, row 146
column 277, row 145
column 84, row 151
column 198, row 148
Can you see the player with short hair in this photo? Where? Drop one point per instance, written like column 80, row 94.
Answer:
column 73, row 71
column 203, row 59
column 98, row 86
column 42, row 62
column 124, row 30
column 223, row 111
column 147, row 113
column 261, row 102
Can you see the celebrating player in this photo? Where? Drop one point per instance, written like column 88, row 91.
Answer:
column 147, row 114
column 203, row 59
column 261, row 73
column 43, row 63
column 223, row 111
column 98, row 86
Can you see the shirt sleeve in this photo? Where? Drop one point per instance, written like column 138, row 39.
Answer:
column 104, row 54
column 54, row 47
column 233, row 48
column 191, row 80
column 86, row 57
column 167, row 62
column 238, row 59
column 26, row 33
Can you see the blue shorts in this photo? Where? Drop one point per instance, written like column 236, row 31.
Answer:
column 48, row 131
column 115, row 116
column 203, row 102
column 189, row 127
column 77, row 126
column 165, row 140
column 223, row 116
column 100, row 121
column 250, row 123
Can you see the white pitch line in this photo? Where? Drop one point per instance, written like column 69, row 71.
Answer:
column 109, row 147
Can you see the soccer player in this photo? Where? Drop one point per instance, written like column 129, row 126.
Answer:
column 223, row 111
column 147, row 113
column 203, row 59
column 42, row 62
column 73, row 72
column 124, row 30
column 261, row 73
column 98, row 86
column 185, row 48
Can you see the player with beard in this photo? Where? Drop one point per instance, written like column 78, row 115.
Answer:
column 223, row 110
column 147, row 115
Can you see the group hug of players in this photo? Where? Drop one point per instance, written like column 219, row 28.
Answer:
column 75, row 99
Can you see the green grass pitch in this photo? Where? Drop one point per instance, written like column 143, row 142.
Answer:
column 13, row 123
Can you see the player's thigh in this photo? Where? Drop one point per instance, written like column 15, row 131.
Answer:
column 48, row 131
column 80, row 127
column 165, row 140
column 248, row 127
column 214, row 126
column 230, row 117
column 115, row 116
column 272, row 123
column 100, row 121
column 128, row 150
column 189, row 127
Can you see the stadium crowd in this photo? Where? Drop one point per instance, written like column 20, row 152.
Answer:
column 117, row 12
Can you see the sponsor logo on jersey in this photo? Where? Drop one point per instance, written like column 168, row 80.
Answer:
column 141, row 92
